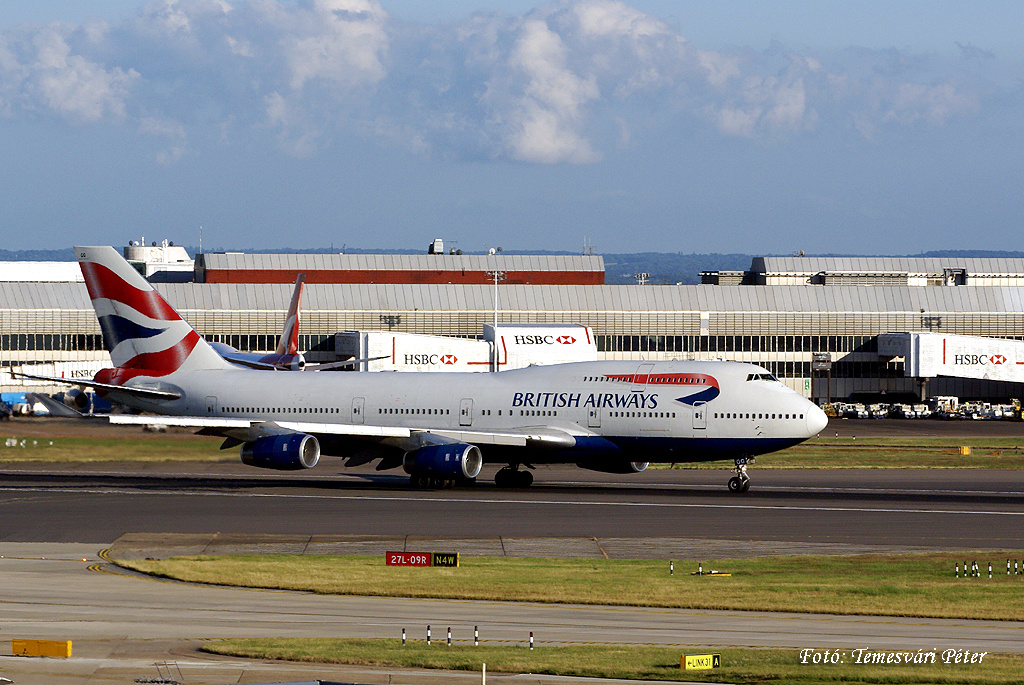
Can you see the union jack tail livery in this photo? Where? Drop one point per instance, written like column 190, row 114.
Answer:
column 144, row 335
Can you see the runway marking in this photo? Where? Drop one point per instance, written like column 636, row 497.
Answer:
column 790, row 488
column 618, row 485
column 526, row 502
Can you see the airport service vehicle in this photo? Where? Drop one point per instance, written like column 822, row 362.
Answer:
column 609, row 416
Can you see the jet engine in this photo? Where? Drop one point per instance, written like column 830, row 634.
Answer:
column 76, row 399
column 458, row 461
column 291, row 452
column 615, row 466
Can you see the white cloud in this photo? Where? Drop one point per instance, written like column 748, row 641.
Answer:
column 616, row 19
column 565, row 83
column 295, row 136
column 546, row 116
column 343, row 41
column 74, row 86
column 912, row 102
column 242, row 48
column 775, row 105
column 719, row 69
column 171, row 130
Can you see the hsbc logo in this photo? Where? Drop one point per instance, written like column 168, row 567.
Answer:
column 978, row 359
column 544, row 340
column 428, row 359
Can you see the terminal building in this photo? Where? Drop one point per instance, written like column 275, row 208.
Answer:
column 813, row 322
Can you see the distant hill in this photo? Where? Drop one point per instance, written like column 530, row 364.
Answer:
column 663, row 267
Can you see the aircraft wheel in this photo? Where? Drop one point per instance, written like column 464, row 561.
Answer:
column 419, row 481
column 745, row 486
column 524, row 479
column 503, row 478
column 735, row 485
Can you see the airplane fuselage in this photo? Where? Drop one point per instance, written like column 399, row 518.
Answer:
column 663, row 411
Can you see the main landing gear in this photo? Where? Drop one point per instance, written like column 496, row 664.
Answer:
column 740, row 483
column 511, row 477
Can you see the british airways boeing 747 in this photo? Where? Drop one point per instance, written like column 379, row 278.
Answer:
column 610, row 416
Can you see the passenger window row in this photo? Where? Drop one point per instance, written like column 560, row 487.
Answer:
column 740, row 415
column 643, row 414
column 282, row 410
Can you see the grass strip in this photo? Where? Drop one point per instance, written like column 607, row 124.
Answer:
column 893, row 453
column 144, row 447
column 640, row 662
column 871, row 584
column 824, row 452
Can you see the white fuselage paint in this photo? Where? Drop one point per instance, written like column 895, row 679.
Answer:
column 636, row 417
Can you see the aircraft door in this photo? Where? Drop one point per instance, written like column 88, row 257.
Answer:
column 211, row 405
column 594, row 417
column 643, row 372
column 466, row 411
column 700, row 415
column 358, row 406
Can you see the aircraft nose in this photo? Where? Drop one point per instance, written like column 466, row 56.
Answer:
column 816, row 420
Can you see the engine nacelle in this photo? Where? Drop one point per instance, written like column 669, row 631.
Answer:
column 291, row 452
column 459, row 460
column 615, row 466
column 76, row 399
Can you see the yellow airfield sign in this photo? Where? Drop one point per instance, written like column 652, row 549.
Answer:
column 700, row 662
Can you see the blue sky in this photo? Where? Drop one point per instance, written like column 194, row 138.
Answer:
column 755, row 127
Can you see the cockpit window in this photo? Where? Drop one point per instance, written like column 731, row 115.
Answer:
column 762, row 377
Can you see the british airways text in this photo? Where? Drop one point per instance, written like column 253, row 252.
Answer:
column 570, row 399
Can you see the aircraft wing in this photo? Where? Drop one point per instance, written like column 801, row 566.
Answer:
column 53, row 406
column 146, row 393
column 397, row 436
column 539, row 436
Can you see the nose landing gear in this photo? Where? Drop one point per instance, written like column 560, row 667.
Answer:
column 740, row 483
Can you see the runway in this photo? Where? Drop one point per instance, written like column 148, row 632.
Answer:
column 83, row 508
column 888, row 509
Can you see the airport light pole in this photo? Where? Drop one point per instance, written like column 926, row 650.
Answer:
column 497, row 277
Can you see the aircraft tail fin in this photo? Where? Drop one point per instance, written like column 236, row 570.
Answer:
column 144, row 335
column 289, row 341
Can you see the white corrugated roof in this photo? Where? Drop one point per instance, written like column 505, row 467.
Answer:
column 554, row 298
column 978, row 266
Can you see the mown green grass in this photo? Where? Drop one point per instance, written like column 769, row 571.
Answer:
column 890, row 453
column 885, row 585
column 642, row 662
column 910, row 452
column 143, row 447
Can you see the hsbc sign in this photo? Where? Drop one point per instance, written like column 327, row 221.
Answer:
column 978, row 359
column 544, row 340
column 930, row 355
column 426, row 359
